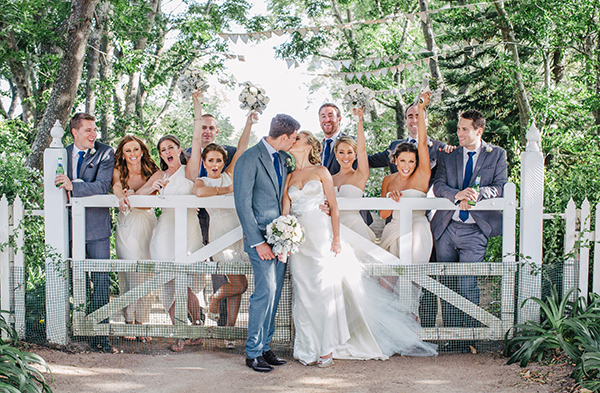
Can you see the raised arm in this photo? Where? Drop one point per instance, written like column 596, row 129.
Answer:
column 153, row 184
column 423, row 172
column 193, row 165
column 361, row 147
column 243, row 142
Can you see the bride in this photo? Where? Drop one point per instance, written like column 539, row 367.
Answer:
column 337, row 312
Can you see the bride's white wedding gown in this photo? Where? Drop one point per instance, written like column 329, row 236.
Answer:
column 335, row 308
column 352, row 218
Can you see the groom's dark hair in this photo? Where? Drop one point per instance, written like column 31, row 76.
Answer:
column 283, row 124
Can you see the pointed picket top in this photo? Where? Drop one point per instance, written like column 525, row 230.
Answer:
column 57, row 133
column 533, row 138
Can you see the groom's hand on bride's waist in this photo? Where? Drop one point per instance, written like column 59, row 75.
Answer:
column 264, row 251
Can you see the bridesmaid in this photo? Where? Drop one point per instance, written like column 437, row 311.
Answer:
column 350, row 182
column 133, row 167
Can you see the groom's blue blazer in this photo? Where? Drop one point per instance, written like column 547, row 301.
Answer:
column 256, row 192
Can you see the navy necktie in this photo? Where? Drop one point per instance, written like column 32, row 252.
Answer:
column 277, row 168
column 464, row 215
column 79, row 162
column 203, row 172
column 327, row 152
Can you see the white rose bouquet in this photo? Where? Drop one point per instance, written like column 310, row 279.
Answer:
column 253, row 98
column 285, row 234
column 357, row 96
column 190, row 81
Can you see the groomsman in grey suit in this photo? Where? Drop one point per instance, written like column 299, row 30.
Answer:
column 258, row 187
column 90, row 167
column 461, row 235
column 411, row 115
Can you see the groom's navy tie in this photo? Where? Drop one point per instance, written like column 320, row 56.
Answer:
column 203, row 172
column 277, row 168
column 327, row 151
column 464, row 215
column 79, row 162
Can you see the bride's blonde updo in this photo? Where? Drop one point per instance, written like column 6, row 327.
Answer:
column 314, row 156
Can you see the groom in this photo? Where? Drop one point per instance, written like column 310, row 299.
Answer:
column 258, row 187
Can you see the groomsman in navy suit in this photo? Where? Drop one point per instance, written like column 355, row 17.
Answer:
column 90, row 167
column 462, row 235
column 210, row 129
column 330, row 118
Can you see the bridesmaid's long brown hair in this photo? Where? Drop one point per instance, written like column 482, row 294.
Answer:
column 148, row 164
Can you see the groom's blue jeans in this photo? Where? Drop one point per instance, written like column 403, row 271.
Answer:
column 268, row 282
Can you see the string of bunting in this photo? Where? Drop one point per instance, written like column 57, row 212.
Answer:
column 244, row 37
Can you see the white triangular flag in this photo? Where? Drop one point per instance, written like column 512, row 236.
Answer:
column 410, row 17
column 234, row 38
column 225, row 36
column 426, row 60
column 384, row 71
column 393, row 70
column 443, row 55
column 278, row 32
column 349, row 76
column 339, row 26
column 424, row 50
column 289, row 31
column 336, row 64
column 315, row 29
column 376, row 73
column 446, row 6
column 446, row 48
column 317, row 63
column 359, row 75
column 256, row 36
column 289, row 62
column 423, row 16
column 408, row 66
column 400, row 67
column 328, row 28
column 402, row 91
column 241, row 58
column 377, row 61
column 368, row 62
column 368, row 74
column 302, row 31
column 244, row 38
column 267, row 33
column 471, row 7
column 436, row 58
column 347, row 63
column 417, row 63
column 296, row 64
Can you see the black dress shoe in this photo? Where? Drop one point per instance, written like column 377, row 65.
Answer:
column 259, row 364
column 272, row 359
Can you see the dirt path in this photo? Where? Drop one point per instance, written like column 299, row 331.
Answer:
column 214, row 371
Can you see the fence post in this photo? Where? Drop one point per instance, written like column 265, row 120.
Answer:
column 584, row 248
column 4, row 259
column 19, row 268
column 531, row 228
column 596, row 279
column 569, row 264
column 57, row 239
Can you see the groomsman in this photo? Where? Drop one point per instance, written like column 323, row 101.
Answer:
column 210, row 129
column 411, row 117
column 330, row 118
column 461, row 235
column 90, row 167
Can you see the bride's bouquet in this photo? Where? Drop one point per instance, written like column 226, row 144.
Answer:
column 285, row 234
column 253, row 97
column 192, row 80
column 357, row 96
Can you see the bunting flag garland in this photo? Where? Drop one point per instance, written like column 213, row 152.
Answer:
column 423, row 16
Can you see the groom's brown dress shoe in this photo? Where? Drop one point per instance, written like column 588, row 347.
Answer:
column 259, row 364
column 272, row 359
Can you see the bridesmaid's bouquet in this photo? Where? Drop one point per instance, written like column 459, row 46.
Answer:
column 192, row 80
column 357, row 96
column 253, row 97
column 285, row 234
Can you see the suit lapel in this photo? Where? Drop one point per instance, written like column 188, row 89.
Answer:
column 70, row 162
column 87, row 159
column 460, row 172
column 267, row 160
column 480, row 161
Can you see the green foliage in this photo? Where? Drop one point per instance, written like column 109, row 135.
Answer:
column 571, row 326
column 17, row 373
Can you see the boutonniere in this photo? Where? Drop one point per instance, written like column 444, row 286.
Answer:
column 488, row 149
column 429, row 143
column 290, row 162
column 92, row 151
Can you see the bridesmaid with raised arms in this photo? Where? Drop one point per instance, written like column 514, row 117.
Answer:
column 222, row 221
column 133, row 167
column 350, row 182
column 177, row 178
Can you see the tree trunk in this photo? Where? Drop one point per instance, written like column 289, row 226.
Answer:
column 94, row 57
column 430, row 40
column 67, row 79
column 20, row 75
column 132, row 96
column 558, row 66
column 596, row 107
column 508, row 35
column 106, row 73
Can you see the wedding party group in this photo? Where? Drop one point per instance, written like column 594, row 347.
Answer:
column 338, row 311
